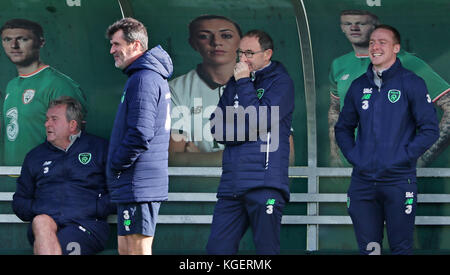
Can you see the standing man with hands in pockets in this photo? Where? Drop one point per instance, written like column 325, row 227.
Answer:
column 254, row 185
column 138, row 150
column 396, row 123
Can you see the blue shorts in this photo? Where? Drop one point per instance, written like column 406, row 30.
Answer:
column 261, row 209
column 74, row 239
column 137, row 218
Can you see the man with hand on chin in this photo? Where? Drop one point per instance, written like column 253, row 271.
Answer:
column 396, row 121
column 254, row 185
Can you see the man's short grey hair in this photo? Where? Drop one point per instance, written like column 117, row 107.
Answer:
column 264, row 39
column 133, row 30
column 74, row 109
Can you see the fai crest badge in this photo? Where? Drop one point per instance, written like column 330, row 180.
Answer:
column 394, row 95
column 260, row 93
column 84, row 158
column 28, row 96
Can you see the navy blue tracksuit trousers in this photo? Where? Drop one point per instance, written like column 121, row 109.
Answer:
column 261, row 209
column 370, row 204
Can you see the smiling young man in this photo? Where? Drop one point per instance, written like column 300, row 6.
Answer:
column 62, row 188
column 27, row 95
column 396, row 121
column 138, row 150
column 357, row 25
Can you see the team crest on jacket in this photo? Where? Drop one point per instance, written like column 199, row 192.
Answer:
column 259, row 93
column 394, row 95
column 84, row 158
column 28, row 96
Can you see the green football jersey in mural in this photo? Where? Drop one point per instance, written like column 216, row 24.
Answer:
column 25, row 107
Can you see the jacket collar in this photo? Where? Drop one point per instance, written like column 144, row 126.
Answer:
column 267, row 70
column 155, row 59
column 73, row 139
column 387, row 74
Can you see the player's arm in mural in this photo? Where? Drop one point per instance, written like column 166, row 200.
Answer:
column 333, row 115
column 444, row 132
column 439, row 91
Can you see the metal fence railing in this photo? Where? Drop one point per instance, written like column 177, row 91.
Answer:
column 311, row 219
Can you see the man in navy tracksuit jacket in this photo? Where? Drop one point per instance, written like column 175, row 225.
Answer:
column 396, row 123
column 254, row 185
column 62, row 187
column 138, row 151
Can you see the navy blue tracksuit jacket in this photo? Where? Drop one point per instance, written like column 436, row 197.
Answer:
column 247, row 162
column 138, row 149
column 68, row 186
column 396, row 124
column 254, row 185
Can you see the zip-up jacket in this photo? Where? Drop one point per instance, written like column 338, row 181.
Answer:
column 264, row 105
column 138, row 151
column 396, row 124
column 68, row 186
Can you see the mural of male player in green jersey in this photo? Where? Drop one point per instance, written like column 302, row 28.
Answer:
column 27, row 96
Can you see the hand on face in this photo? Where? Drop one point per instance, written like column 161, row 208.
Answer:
column 241, row 70
column 258, row 57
